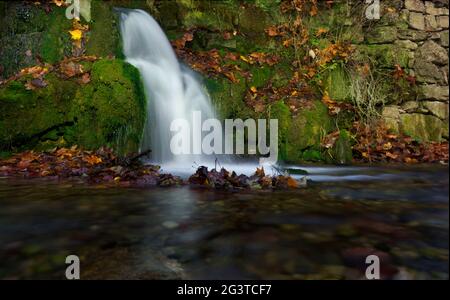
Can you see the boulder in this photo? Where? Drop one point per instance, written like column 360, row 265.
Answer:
column 438, row 109
column 417, row 21
column 415, row 5
column 107, row 111
column 382, row 35
column 424, row 128
column 434, row 92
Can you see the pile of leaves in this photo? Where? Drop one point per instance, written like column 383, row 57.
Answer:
column 65, row 69
column 377, row 144
column 97, row 167
column 296, row 95
column 224, row 180
column 211, row 63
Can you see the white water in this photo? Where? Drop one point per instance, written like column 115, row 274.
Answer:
column 172, row 90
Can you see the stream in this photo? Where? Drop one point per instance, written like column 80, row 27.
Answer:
column 322, row 232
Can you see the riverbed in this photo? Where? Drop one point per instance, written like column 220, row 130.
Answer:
column 324, row 231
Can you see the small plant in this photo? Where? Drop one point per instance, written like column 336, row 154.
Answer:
column 366, row 94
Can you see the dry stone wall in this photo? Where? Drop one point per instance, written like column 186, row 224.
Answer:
column 424, row 37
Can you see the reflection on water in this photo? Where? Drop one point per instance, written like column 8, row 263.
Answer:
column 322, row 232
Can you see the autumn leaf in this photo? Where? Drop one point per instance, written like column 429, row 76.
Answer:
column 272, row 31
column 58, row 2
column 321, row 31
column 260, row 172
column 76, row 34
column 92, row 160
column 253, row 89
column 292, row 183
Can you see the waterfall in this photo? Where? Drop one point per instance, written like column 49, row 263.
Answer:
column 172, row 90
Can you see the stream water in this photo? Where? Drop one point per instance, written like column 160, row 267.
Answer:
column 322, row 232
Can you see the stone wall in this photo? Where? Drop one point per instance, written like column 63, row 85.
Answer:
column 423, row 33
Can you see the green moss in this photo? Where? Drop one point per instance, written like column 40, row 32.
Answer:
column 423, row 128
column 312, row 156
column 280, row 111
column 384, row 56
column 337, row 83
column 104, row 38
column 307, row 130
column 260, row 76
column 26, row 115
column 28, row 27
column 109, row 111
column 228, row 98
column 56, row 41
column 342, row 151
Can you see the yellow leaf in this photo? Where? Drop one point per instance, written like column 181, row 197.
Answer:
column 58, row 2
column 253, row 89
column 76, row 34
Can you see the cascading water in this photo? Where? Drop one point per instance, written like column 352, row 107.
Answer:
column 172, row 90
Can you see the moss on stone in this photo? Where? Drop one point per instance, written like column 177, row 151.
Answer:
column 109, row 111
column 28, row 27
column 56, row 41
column 228, row 98
column 385, row 56
column 307, row 130
column 337, row 83
column 342, row 151
column 423, row 128
column 104, row 36
column 280, row 111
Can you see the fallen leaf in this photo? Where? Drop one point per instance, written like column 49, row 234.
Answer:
column 76, row 34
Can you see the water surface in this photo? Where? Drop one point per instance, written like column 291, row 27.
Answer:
column 322, row 232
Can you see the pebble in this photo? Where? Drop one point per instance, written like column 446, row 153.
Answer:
column 170, row 224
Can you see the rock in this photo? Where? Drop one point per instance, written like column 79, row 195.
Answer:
column 170, row 224
column 421, row 127
column 432, row 52
column 343, row 149
column 442, row 21
column 428, row 72
column 444, row 38
column 431, row 24
column 415, row 5
column 382, row 35
column 391, row 112
column 391, row 117
column 434, row 92
column 417, row 21
column 305, row 130
column 438, row 109
column 385, row 56
column 410, row 106
column 413, row 35
column 431, row 9
column 407, row 44
column 90, row 115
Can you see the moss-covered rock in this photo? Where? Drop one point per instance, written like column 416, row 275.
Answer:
column 423, row 128
column 385, row 55
column 306, row 132
column 337, row 83
column 29, row 34
column 108, row 111
column 342, row 150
